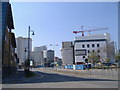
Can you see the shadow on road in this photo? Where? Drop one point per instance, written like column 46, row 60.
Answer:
column 17, row 76
column 54, row 78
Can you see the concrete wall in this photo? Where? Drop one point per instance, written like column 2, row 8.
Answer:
column 67, row 52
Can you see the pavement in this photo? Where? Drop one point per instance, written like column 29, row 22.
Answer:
column 52, row 79
column 18, row 77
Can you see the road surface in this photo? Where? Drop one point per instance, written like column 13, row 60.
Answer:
column 51, row 79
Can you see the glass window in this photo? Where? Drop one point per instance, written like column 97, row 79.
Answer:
column 98, row 51
column 83, row 46
column 93, row 51
column 83, row 56
column 88, row 51
column 93, row 45
column 98, row 45
column 88, row 45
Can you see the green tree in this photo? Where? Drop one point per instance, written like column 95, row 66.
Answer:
column 117, row 57
column 93, row 57
column 107, row 61
column 108, row 51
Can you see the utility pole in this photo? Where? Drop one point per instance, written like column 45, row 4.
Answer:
column 28, row 46
column 27, row 63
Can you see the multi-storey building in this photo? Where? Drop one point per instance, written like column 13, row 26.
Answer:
column 67, row 52
column 37, row 55
column 48, row 57
column 100, row 43
column 41, row 48
column 7, row 42
column 58, row 61
column 22, row 49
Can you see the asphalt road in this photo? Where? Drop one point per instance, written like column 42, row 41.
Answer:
column 100, row 73
column 51, row 79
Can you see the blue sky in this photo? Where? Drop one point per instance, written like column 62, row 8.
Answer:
column 53, row 22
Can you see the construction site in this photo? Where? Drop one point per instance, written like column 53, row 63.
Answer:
column 88, row 50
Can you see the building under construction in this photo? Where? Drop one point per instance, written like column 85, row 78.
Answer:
column 78, row 52
column 99, row 43
column 67, row 52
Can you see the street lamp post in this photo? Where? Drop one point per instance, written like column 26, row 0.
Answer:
column 28, row 60
column 25, row 50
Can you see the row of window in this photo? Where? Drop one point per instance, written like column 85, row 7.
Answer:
column 88, row 45
column 93, row 51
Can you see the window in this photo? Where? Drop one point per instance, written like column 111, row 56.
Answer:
column 83, row 46
column 83, row 56
column 98, row 51
column 93, row 51
column 98, row 45
column 88, row 45
column 93, row 45
column 80, row 52
column 88, row 51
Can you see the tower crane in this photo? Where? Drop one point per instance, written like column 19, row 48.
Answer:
column 91, row 30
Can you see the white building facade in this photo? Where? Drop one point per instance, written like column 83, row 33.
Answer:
column 37, row 55
column 22, row 44
column 67, row 53
column 41, row 48
column 84, row 45
column 48, row 57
